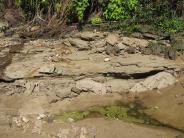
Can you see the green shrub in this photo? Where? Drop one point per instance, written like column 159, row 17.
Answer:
column 96, row 20
column 170, row 25
column 119, row 9
column 79, row 7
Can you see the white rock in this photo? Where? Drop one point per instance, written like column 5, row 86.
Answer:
column 90, row 85
column 24, row 119
column 70, row 120
column 41, row 116
column 106, row 59
column 158, row 81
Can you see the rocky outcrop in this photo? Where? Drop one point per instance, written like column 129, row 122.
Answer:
column 85, row 69
column 65, row 68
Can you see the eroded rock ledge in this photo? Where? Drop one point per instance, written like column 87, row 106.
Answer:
column 86, row 62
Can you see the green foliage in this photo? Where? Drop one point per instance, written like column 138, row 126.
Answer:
column 132, row 27
column 124, row 26
column 164, row 14
column 74, row 115
column 119, row 9
column 149, row 10
column 96, row 20
column 1, row 5
column 80, row 6
column 170, row 25
column 30, row 7
column 57, row 7
column 117, row 112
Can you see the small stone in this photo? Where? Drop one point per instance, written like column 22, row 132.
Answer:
column 106, row 59
column 70, row 120
column 24, row 119
column 41, row 116
column 156, row 107
column 47, row 69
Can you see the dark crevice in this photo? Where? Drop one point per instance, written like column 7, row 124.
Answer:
column 131, row 76
column 6, row 80
column 109, row 74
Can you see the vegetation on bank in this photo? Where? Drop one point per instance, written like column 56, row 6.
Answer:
column 165, row 14
column 124, row 113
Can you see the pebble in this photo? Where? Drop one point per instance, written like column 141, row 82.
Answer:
column 156, row 107
column 106, row 59
column 41, row 116
column 24, row 119
column 70, row 120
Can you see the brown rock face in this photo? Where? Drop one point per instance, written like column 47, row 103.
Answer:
column 13, row 16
